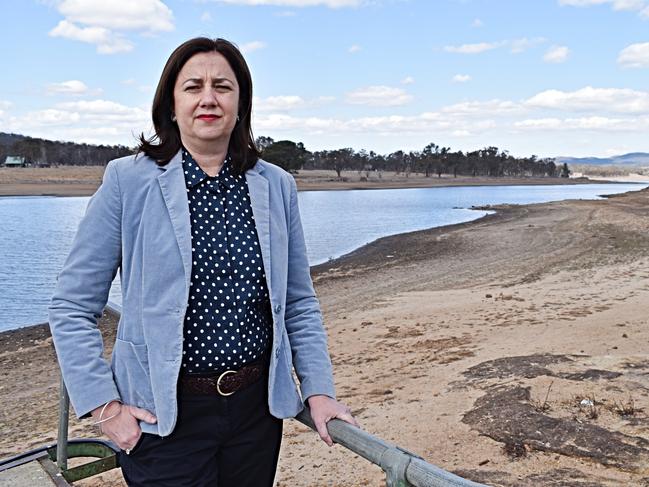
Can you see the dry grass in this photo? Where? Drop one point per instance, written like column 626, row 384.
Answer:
column 543, row 406
column 61, row 174
column 607, row 171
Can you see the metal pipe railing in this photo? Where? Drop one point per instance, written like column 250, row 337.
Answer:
column 402, row 468
column 62, row 438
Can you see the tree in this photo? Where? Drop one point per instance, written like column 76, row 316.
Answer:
column 286, row 154
column 428, row 157
column 28, row 148
column 565, row 170
column 263, row 142
column 337, row 160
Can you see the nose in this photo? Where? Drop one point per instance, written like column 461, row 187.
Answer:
column 208, row 98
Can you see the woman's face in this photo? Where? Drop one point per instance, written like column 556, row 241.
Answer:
column 206, row 100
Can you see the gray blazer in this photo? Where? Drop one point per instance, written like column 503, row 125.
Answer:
column 138, row 222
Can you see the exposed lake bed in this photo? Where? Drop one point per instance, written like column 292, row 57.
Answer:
column 433, row 332
column 84, row 180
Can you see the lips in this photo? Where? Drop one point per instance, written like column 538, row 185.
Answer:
column 208, row 118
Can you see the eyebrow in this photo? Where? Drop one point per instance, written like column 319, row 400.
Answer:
column 200, row 80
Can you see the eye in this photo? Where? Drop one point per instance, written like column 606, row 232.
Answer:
column 192, row 88
column 222, row 88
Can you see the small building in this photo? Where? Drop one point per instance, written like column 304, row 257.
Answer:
column 15, row 161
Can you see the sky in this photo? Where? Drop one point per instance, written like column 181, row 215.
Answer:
column 544, row 77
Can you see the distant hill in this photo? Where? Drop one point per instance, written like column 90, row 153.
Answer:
column 639, row 159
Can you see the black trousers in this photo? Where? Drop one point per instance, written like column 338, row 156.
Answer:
column 218, row 441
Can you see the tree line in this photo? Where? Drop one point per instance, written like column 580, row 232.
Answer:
column 43, row 152
column 432, row 160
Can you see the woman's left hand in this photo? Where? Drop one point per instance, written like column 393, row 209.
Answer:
column 323, row 408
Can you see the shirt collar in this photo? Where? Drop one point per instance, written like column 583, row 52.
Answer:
column 194, row 175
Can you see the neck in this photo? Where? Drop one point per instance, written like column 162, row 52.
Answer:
column 209, row 158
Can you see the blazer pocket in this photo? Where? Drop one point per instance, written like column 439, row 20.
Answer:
column 288, row 354
column 131, row 372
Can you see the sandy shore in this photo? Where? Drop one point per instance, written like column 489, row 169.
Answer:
column 84, row 180
column 511, row 350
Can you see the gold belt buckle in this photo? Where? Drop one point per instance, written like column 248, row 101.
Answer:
column 218, row 383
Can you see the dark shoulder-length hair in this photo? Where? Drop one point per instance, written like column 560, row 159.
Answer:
column 166, row 142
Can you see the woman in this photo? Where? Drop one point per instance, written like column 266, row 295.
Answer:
column 218, row 304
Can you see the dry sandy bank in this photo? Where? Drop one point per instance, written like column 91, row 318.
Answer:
column 454, row 342
column 84, row 180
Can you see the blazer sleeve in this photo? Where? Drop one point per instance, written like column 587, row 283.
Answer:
column 302, row 317
column 80, row 296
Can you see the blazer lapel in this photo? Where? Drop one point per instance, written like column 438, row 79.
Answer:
column 260, row 202
column 174, row 192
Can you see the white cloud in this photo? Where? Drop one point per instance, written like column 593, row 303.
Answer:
column 106, row 41
column 617, row 100
column 388, row 125
column 92, row 121
column 298, row 3
column 278, row 103
column 379, row 96
column 474, row 48
column 556, row 54
column 626, row 5
column 284, row 103
column 104, row 23
column 616, row 151
column 140, row 88
column 206, row 17
column 408, row 80
column 523, row 44
column 483, row 108
column 249, row 47
column 540, row 123
column 72, row 87
column 477, row 23
column 635, row 56
column 596, row 123
column 146, row 15
column 354, row 48
column 616, row 4
column 97, row 112
column 515, row 45
column 4, row 104
column 461, row 78
column 51, row 116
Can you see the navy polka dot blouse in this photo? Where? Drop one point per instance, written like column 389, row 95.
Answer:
column 228, row 320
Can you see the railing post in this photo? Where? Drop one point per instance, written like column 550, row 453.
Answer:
column 62, row 440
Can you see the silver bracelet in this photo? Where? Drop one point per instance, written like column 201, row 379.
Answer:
column 103, row 409
column 98, row 423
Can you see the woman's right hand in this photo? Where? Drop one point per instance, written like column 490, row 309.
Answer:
column 123, row 429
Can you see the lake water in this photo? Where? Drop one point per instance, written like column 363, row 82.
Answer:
column 37, row 231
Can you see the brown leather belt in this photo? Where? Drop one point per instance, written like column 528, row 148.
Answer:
column 224, row 384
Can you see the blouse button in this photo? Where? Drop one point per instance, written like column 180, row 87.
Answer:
column 278, row 308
